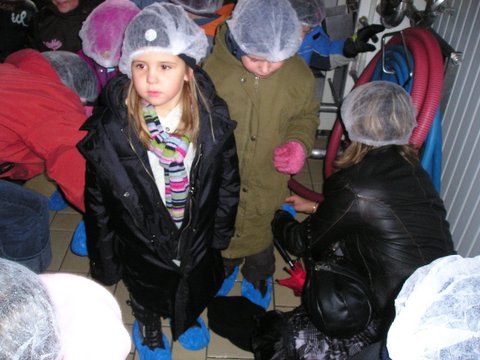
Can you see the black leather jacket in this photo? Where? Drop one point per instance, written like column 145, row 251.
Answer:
column 386, row 215
column 130, row 234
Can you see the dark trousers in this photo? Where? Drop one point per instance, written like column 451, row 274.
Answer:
column 255, row 267
column 24, row 227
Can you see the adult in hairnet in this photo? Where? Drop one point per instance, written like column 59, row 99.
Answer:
column 317, row 49
column 381, row 214
column 270, row 93
column 58, row 316
column 42, row 99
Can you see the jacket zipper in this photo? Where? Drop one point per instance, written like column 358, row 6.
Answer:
column 191, row 194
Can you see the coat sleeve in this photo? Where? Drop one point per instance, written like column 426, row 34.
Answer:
column 104, row 267
column 334, row 219
column 228, row 197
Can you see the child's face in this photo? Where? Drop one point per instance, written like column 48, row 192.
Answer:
column 305, row 30
column 259, row 66
column 158, row 79
column 65, row 6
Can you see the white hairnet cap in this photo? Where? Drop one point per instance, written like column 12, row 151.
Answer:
column 269, row 29
column 75, row 73
column 438, row 312
column 27, row 318
column 379, row 113
column 310, row 12
column 200, row 6
column 102, row 31
column 165, row 28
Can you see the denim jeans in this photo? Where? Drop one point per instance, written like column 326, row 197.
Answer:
column 24, row 227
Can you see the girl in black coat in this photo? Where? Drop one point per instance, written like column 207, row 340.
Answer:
column 381, row 212
column 162, row 178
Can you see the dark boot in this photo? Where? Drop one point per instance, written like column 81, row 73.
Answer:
column 149, row 325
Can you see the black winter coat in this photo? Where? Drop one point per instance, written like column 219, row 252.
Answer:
column 387, row 216
column 130, row 234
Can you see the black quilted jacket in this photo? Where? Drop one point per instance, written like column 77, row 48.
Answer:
column 130, row 234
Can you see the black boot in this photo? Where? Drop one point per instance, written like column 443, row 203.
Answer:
column 149, row 324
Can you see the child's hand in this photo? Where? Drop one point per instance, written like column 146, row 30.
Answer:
column 289, row 158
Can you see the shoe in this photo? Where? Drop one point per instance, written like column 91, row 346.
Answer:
column 228, row 282
column 79, row 240
column 195, row 338
column 260, row 293
column 57, row 202
column 143, row 339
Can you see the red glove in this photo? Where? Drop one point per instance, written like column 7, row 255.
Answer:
column 289, row 158
column 297, row 280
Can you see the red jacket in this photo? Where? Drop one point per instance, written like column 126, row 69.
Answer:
column 39, row 124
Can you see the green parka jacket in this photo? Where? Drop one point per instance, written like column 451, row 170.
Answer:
column 269, row 112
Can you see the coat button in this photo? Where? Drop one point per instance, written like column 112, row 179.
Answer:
column 126, row 194
column 253, row 138
column 242, row 80
column 244, row 189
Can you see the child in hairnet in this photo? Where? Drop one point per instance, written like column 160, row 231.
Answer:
column 317, row 49
column 162, row 180
column 270, row 93
column 102, row 36
column 207, row 14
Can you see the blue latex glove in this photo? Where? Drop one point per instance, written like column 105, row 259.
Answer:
column 288, row 208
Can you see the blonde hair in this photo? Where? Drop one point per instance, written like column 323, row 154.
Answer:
column 356, row 151
column 189, row 123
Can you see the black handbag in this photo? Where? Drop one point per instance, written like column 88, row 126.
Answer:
column 338, row 300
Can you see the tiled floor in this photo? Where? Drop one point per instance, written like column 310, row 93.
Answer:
column 63, row 223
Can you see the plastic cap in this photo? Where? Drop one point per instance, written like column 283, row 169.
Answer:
column 310, row 12
column 27, row 317
column 379, row 113
column 269, row 29
column 200, row 6
column 102, row 31
column 438, row 312
column 74, row 73
column 164, row 28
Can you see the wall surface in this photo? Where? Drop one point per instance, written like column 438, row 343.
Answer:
column 461, row 127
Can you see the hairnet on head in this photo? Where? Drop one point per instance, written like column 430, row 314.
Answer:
column 164, row 28
column 200, row 6
column 74, row 73
column 269, row 29
column 310, row 12
column 102, row 31
column 27, row 318
column 379, row 113
column 438, row 312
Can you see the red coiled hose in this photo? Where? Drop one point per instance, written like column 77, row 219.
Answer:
column 427, row 79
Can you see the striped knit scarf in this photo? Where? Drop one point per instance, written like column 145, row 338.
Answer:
column 171, row 150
